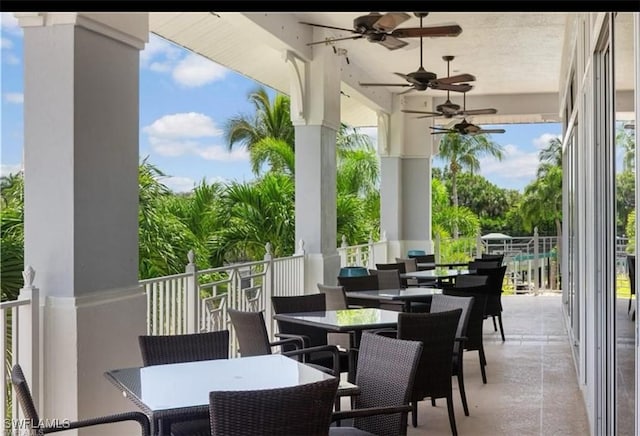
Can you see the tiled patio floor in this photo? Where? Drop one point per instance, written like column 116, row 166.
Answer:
column 531, row 381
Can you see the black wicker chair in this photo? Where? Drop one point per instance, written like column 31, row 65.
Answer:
column 159, row 350
column 424, row 258
column 474, row 336
column 386, row 372
column 23, row 393
column 444, row 303
column 253, row 340
column 494, row 294
column 336, row 300
column 400, row 266
column 297, row 410
column 311, row 336
column 486, row 256
column 359, row 283
column 437, row 332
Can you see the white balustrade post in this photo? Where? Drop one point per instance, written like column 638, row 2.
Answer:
column 479, row 245
column 344, row 255
column 28, row 335
column 192, row 297
column 371, row 256
column 268, row 287
column 536, row 260
column 436, row 248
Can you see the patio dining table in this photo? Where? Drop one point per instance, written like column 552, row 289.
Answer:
column 406, row 295
column 180, row 391
column 437, row 274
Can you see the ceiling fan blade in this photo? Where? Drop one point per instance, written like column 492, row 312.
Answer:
column 491, row 131
column 487, row 111
column 411, row 111
column 328, row 27
column 428, row 116
column 390, row 21
column 440, row 128
column 443, row 132
column 446, row 87
column 456, row 79
column 383, row 84
column 392, row 43
column 408, row 78
column 433, row 31
column 407, row 91
column 330, row 40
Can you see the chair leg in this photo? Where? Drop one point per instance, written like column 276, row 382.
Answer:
column 452, row 417
column 414, row 413
column 495, row 327
column 629, row 306
column 501, row 328
column 433, row 402
column 463, row 394
column 483, row 362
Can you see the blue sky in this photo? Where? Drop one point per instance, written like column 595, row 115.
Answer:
column 185, row 101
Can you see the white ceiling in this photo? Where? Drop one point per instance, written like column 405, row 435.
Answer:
column 508, row 53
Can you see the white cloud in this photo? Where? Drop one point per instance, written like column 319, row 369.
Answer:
column 10, row 58
column 543, row 140
column 14, row 97
column 9, row 24
column 220, row 153
column 158, row 47
column 179, row 184
column 195, row 70
column 181, row 134
column 6, row 169
column 183, row 125
column 6, row 43
column 515, row 164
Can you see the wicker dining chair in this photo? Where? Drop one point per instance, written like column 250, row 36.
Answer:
column 336, row 300
column 400, row 266
column 386, row 373
column 444, row 303
column 298, row 410
column 360, row 283
column 474, row 338
column 253, row 340
column 631, row 267
column 494, row 294
column 192, row 347
column 37, row 427
column 163, row 349
column 437, row 332
column 311, row 336
column 486, row 256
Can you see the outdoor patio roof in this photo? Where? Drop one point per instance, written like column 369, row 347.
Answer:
column 509, row 53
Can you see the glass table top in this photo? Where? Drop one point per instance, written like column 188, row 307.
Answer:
column 344, row 320
column 180, row 385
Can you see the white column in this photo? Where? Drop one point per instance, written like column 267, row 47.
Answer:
column 405, row 188
column 316, row 116
column 81, row 203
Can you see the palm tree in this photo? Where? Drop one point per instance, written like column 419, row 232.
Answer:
column 271, row 121
column 11, row 235
column 626, row 139
column 462, row 152
column 542, row 199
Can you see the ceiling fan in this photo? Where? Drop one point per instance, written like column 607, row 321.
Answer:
column 449, row 109
column 381, row 29
column 422, row 79
column 464, row 128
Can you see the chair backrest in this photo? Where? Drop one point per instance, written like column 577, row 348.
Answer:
column 298, row 410
column 334, row 296
column 480, row 263
column 475, row 281
column 486, row 256
column 400, row 266
column 495, row 278
column 358, row 283
column 410, row 264
column 437, row 332
column 158, row 350
column 387, row 278
column 423, row 258
column 631, row 265
column 251, row 331
column 301, row 303
column 444, row 303
column 386, row 373
column 476, row 316
column 23, row 393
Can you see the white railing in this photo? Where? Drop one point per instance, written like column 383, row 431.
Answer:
column 366, row 255
column 197, row 300
column 20, row 320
